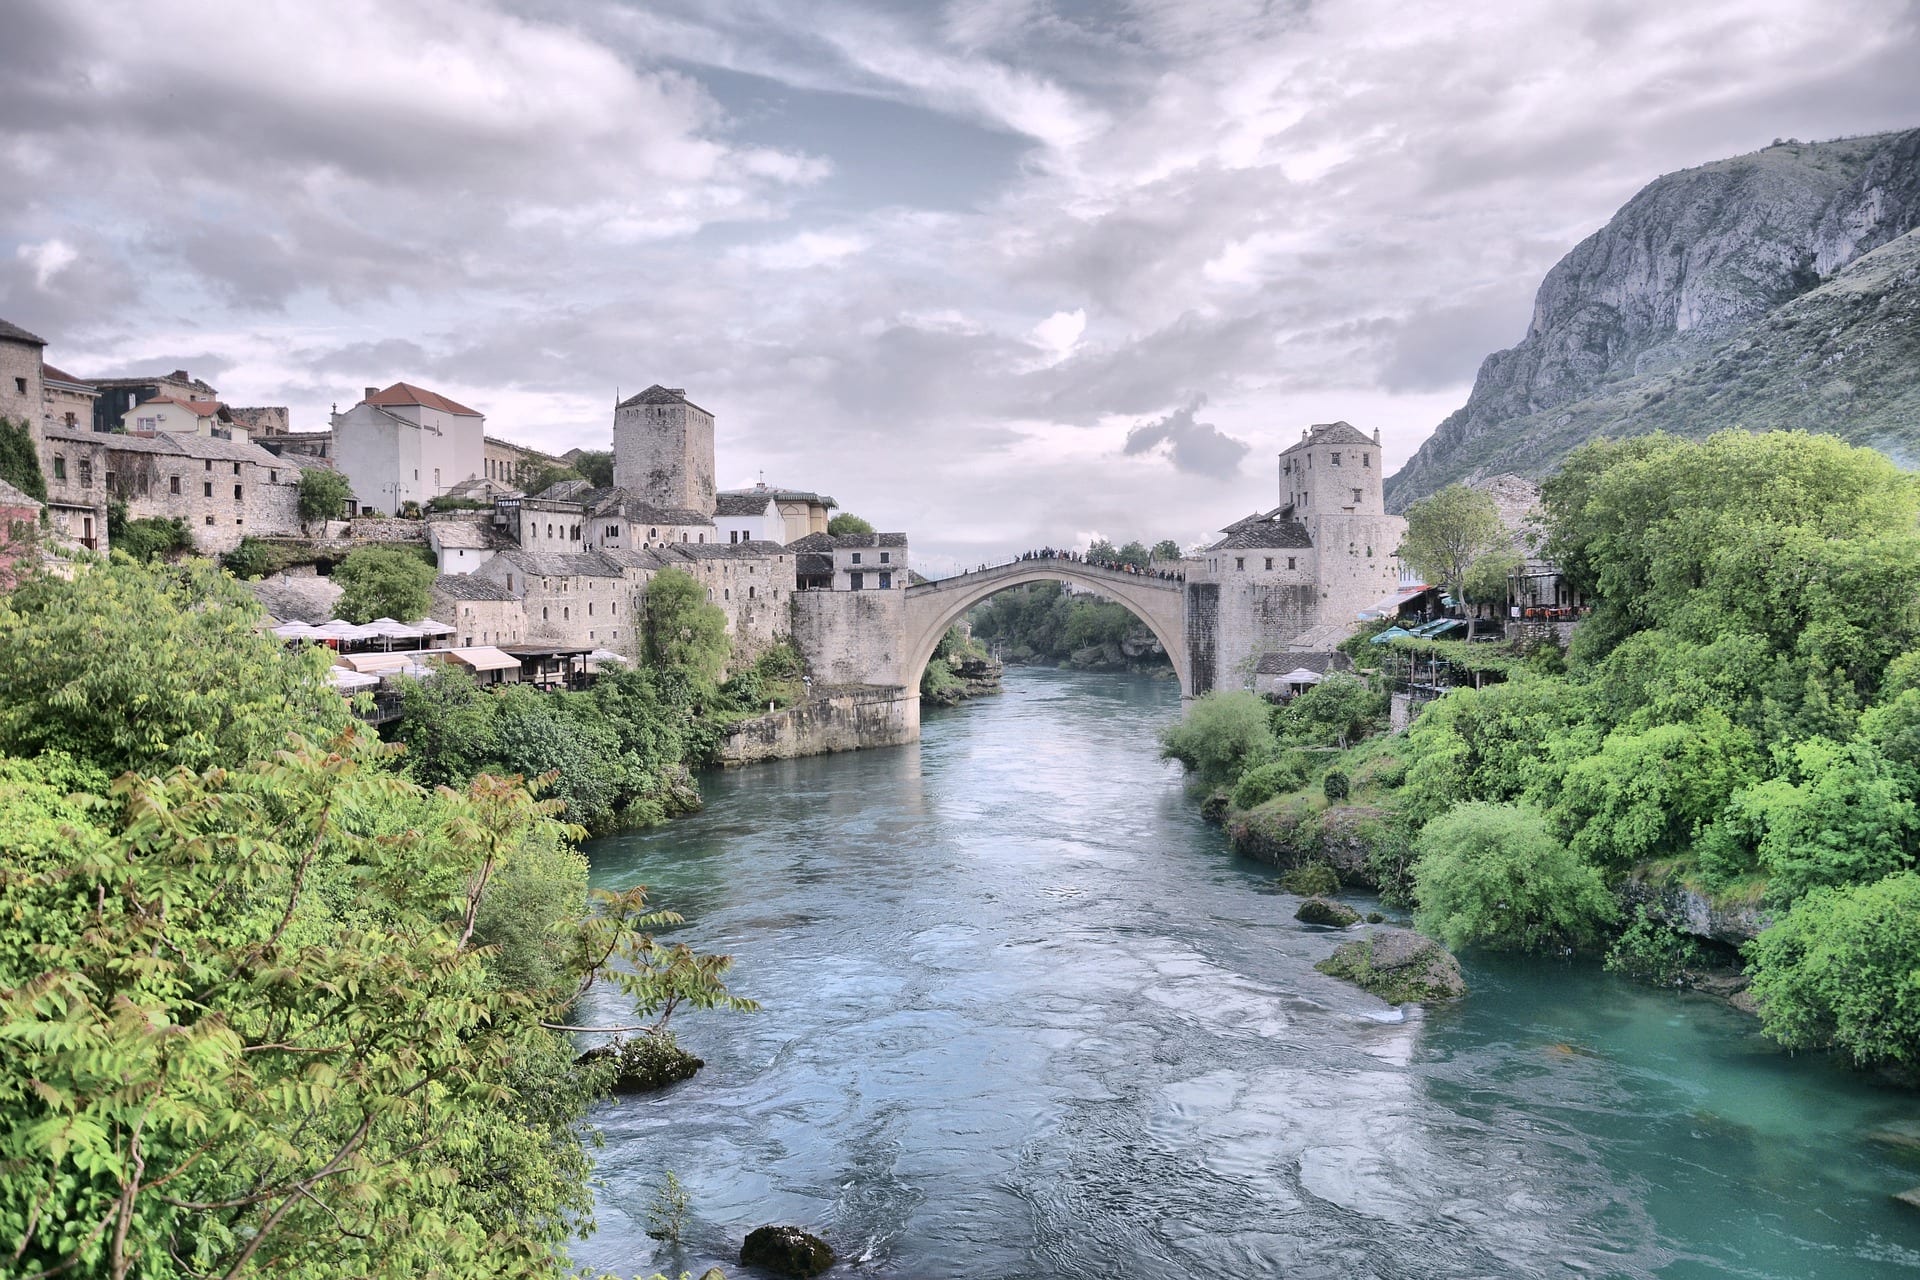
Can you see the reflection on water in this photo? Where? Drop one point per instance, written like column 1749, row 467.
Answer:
column 1026, row 1016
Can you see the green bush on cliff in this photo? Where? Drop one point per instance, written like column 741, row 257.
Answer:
column 1842, row 970
column 1493, row 875
column 1276, row 777
column 1221, row 737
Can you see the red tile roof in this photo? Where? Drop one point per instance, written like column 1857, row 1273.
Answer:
column 51, row 374
column 403, row 393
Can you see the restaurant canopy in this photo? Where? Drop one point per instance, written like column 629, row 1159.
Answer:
column 347, row 680
column 483, row 657
column 1387, row 606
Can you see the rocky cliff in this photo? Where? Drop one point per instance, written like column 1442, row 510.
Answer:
column 1777, row 289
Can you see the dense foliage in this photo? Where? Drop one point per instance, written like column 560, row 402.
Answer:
column 847, row 522
column 20, row 461
column 682, row 629
column 1739, row 715
column 384, row 582
column 1455, row 541
column 267, row 1005
column 148, row 536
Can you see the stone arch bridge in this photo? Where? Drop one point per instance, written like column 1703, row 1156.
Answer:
column 933, row 607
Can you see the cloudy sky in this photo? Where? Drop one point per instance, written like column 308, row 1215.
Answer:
column 997, row 272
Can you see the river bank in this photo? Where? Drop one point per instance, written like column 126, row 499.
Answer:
column 1026, row 1014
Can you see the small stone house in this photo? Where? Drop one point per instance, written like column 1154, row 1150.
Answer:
column 852, row 561
column 223, row 489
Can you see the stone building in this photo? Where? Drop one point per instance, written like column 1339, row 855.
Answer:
column 117, row 395
column 462, row 541
column 1328, row 551
column 801, row 512
column 406, row 444
column 74, row 463
column 748, row 517
column 21, row 392
column 480, row 611
column 663, row 451
column 853, row 561
column 222, row 489
column 262, row 419
column 511, row 464
column 67, row 401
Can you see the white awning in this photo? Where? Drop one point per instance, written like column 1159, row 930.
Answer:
column 1302, row 675
column 607, row 655
column 430, row 627
column 1391, row 604
column 390, row 629
column 300, row 631
column 346, row 679
column 384, row 663
column 483, row 657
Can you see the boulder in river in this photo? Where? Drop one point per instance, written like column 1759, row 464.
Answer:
column 1398, row 965
column 650, row 1061
column 1337, row 915
column 1315, row 880
column 786, row 1251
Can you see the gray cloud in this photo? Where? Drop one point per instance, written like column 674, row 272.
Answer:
column 1198, row 448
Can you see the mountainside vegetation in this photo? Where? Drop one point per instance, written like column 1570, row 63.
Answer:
column 1739, row 716
column 1778, row 290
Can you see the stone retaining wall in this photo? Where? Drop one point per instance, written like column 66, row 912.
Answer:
column 846, row 718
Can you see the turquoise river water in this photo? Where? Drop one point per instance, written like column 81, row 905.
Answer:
column 1027, row 1016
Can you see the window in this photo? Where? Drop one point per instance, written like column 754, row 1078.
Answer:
column 509, row 582
column 1336, row 459
column 886, row 557
column 726, row 593
column 86, row 471
column 1366, row 460
column 859, row 582
column 209, row 464
column 20, row 385
column 613, row 531
column 589, row 608
column 71, row 420
column 703, row 537
column 684, row 537
column 886, row 581
column 236, row 468
column 1239, row 562
column 566, row 613
column 614, row 608
column 1369, row 553
column 206, row 489
column 416, row 473
column 750, row 593
column 1356, row 496
column 236, row 493
column 653, row 533
column 543, row 613
column 549, row 531
column 856, row 557
column 1269, row 562
column 273, row 477
column 59, row 467
column 173, row 484
column 209, row 519
column 1289, row 562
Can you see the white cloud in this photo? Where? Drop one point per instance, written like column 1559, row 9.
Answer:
column 1060, row 332
column 48, row 259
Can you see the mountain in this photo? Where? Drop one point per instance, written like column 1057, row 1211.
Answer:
column 1777, row 289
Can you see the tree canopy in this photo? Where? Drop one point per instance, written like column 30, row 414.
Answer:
column 325, row 494
column 683, row 629
column 20, row 461
column 1448, row 533
column 846, row 522
column 384, row 582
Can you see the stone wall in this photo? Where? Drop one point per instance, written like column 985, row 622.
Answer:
column 841, row 719
column 1203, row 633
column 20, row 364
column 852, row 637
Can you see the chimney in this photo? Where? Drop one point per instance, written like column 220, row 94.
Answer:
column 1376, row 435
column 371, row 393
column 179, row 375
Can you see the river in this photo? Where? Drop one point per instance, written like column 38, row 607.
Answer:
column 1027, row 1016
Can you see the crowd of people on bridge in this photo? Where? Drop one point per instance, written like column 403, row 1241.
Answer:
column 1102, row 562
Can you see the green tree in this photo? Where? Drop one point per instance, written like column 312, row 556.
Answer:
column 384, row 582
column 595, row 467
column 20, row 461
column 684, row 630
column 130, row 666
column 1448, row 533
column 1166, row 549
column 1335, row 712
column 846, row 522
column 1492, row 875
column 147, row 537
column 324, row 495
column 1842, row 970
column 549, row 475
column 1221, row 737
column 282, row 1019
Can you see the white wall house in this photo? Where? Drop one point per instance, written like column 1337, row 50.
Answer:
column 182, row 417
column 749, row 517
column 407, row 444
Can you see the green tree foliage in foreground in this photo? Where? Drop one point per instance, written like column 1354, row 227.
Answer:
column 846, row 522
column 1493, row 875
column 384, row 582
column 1843, row 970
column 20, row 461
column 268, row 1021
column 144, row 667
column 324, row 495
column 682, row 629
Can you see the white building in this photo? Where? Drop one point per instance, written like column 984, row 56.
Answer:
column 407, row 444
column 182, row 417
column 749, row 517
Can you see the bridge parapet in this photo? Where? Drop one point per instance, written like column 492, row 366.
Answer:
column 1067, row 570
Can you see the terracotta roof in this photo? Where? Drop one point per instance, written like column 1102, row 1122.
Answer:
column 405, row 393
column 51, row 374
column 14, row 333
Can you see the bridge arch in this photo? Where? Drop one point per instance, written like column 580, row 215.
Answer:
column 933, row 607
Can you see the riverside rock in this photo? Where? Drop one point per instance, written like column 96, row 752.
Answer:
column 1337, row 915
column 645, row 1063
column 786, row 1251
column 1398, row 965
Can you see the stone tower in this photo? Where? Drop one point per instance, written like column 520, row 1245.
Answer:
column 663, row 450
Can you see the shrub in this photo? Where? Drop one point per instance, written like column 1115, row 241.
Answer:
column 147, row 537
column 1222, row 736
column 1276, row 777
column 1335, row 785
column 1650, row 950
column 251, row 559
column 1493, row 875
column 1842, row 970
column 324, row 494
